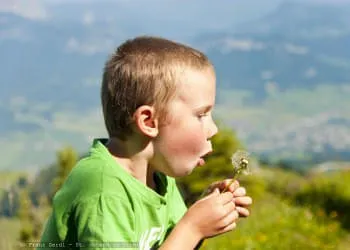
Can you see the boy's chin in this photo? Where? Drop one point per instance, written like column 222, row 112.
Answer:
column 181, row 171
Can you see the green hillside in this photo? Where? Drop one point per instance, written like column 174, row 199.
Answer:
column 290, row 210
column 280, row 217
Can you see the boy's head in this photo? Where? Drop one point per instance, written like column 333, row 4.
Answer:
column 144, row 71
column 177, row 82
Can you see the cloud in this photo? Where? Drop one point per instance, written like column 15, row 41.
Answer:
column 267, row 74
column 88, row 18
column 59, row 2
column 29, row 150
column 242, row 44
column 47, row 118
column 334, row 61
column 89, row 47
column 91, row 81
column 25, row 112
column 271, row 88
column 76, row 122
column 54, row 129
column 296, row 49
column 17, row 102
column 14, row 33
column 326, row 1
column 228, row 44
column 33, row 9
column 310, row 72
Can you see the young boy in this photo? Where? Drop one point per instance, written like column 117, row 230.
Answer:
column 157, row 99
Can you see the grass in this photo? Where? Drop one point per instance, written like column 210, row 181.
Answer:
column 9, row 233
column 9, row 227
column 275, row 224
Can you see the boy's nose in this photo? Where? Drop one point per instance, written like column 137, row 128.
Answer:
column 213, row 130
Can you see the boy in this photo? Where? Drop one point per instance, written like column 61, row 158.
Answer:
column 157, row 98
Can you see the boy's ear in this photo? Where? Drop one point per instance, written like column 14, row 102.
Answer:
column 145, row 121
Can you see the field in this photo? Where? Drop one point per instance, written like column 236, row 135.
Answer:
column 9, row 233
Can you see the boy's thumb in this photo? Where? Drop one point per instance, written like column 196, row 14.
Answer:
column 216, row 191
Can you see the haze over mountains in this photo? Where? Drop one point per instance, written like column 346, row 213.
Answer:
column 283, row 79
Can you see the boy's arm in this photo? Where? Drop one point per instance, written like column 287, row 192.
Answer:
column 102, row 220
column 182, row 237
column 210, row 216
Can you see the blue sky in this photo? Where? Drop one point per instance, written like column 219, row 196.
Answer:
column 191, row 14
column 171, row 18
column 238, row 9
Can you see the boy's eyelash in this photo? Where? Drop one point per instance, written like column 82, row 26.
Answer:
column 202, row 115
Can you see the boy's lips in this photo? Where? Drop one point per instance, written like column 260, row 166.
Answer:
column 201, row 160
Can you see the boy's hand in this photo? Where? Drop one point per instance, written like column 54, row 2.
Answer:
column 239, row 193
column 212, row 215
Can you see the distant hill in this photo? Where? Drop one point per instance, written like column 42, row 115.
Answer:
column 285, row 79
column 296, row 46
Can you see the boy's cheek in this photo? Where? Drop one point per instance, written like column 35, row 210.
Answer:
column 186, row 143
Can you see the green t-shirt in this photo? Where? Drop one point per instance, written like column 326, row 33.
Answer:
column 102, row 206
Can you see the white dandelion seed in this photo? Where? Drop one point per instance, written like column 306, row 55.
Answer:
column 240, row 165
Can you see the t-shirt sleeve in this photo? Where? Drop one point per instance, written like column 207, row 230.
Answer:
column 104, row 221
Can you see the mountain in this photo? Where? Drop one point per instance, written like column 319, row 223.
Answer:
column 292, row 70
column 275, row 72
column 296, row 46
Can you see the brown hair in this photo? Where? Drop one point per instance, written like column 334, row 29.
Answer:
column 143, row 71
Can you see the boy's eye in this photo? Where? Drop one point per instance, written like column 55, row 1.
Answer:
column 200, row 116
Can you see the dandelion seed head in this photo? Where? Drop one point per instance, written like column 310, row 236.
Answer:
column 240, row 162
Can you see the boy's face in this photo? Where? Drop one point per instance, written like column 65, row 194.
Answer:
column 184, row 139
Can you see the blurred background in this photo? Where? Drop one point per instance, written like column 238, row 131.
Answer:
column 283, row 79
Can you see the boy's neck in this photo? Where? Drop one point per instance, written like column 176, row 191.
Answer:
column 134, row 159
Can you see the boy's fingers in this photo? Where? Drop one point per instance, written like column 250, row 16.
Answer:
column 212, row 187
column 240, row 191
column 229, row 227
column 214, row 192
column 226, row 198
column 211, row 194
column 232, row 187
column 229, row 218
column 229, row 208
column 243, row 201
column 242, row 211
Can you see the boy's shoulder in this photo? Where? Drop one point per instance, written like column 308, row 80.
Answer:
column 93, row 175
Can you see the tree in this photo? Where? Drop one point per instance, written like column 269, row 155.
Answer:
column 31, row 224
column 66, row 159
column 31, row 217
